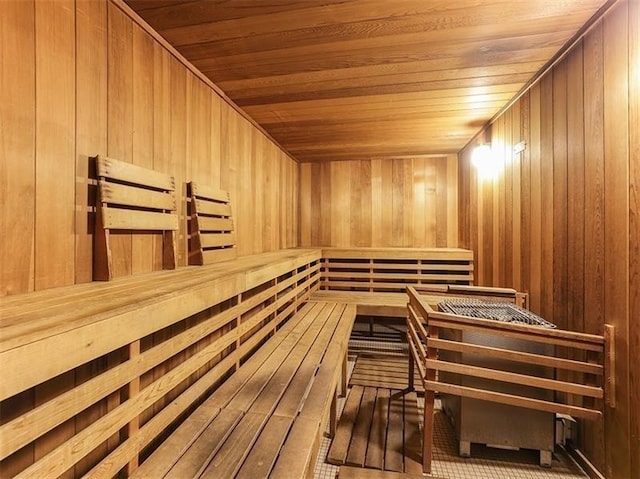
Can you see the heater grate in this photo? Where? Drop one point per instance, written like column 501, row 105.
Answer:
column 505, row 312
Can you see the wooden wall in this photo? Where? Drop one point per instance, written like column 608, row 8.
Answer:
column 80, row 78
column 400, row 202
column 562, row 220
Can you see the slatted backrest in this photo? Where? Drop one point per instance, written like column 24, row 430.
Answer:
column 137, row 199
column 393, row 269
column 212, row 236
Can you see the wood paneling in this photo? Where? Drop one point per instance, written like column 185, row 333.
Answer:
column 61, row 105
column 578, row 192
column 363, row 79
column 402, row 202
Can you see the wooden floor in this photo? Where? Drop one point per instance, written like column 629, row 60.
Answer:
column 383, row 370
column 379, row 429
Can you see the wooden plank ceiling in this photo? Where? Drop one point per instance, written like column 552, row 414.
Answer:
column 356, row 79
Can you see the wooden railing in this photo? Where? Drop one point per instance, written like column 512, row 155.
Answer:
column 424, row 323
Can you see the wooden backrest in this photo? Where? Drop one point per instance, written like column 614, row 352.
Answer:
column 393, row 269
column 212, row 237
column 137, row 199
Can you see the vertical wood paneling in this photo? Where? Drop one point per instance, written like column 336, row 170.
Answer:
column 616, row 227
column 578, row 183
column 594, row 318
column 546, row 195
column 55, row 143
column 17, row 147
column 120, row 116
column 400, row 202
column 535, row 240
column 142, row 251
column 634, row 233
column 104, row 86
column 560, row 205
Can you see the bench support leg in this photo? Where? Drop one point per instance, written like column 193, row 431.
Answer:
column 343, row 379
column 333, row 415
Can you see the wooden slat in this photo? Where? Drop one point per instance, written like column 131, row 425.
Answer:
column 214, row 224
column 265, row 451
column 513, row 400
column 412, row 435
column 209, row 193
column 119, row 194
column 340, row 444
column 393, row 458
column 200, row 451
column 123, row 171
column 360, row 434
column 215, row 255
column 235, row 449
column 211, row 208
column 378, row 431
column 524, row 379
column 210, row 240
column 348, row 472
column 115, row 218
column 518, row 356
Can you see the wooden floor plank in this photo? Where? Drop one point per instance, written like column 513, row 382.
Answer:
column 378, row 432
column 360, row 435
column 412, row 435
column 348, row 472
column 340, row 444
column 393, row 459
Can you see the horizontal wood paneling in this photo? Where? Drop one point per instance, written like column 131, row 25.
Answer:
column 578, row 202
column 402, row 202
column 356, row 79
column 82, row 78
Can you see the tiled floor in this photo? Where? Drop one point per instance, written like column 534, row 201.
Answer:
column 485, row 463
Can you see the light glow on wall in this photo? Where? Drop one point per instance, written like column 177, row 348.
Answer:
column 485, row 162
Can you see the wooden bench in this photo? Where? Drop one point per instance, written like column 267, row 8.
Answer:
column 349, row 472
column 94, row 374
column 267, row 419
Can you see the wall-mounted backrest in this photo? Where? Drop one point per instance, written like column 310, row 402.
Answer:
column 132, row 198
column 212, row 236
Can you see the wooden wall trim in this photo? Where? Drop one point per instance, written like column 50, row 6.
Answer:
column 127, row 10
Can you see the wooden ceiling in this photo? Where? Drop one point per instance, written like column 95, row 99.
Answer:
column 356, row 79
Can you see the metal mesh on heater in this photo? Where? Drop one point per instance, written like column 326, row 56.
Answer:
column 505, row 312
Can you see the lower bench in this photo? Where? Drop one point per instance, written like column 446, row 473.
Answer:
column 268, row 418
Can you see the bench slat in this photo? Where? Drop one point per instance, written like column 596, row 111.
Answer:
column 116, row 193
column 123, row 171
column 230, row 456
column 265, row 451
column 214, row 209
column 214, row 224
column 199, row 453
column 120, row 219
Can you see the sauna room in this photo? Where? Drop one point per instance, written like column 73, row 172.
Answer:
column 320, row 239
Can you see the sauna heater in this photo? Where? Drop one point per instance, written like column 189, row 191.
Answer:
column 493, row 424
